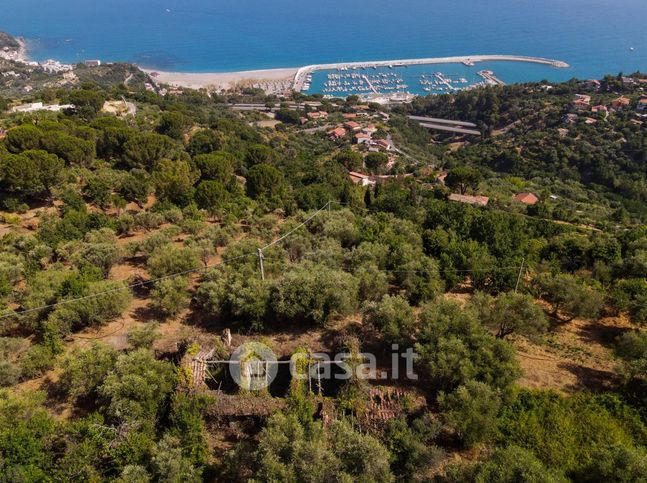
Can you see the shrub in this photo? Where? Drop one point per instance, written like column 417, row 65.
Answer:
column 170, row 296
column 168, row 260
column 314, row 293
column 472, row 410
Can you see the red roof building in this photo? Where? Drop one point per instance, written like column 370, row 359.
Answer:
column 361, row 138
column 353, row 126
column 338, row 133
column 526, row 198
column 621, row 102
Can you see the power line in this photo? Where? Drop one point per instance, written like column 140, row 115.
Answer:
column 301, row 225
column 122, row 288
column 166, row 277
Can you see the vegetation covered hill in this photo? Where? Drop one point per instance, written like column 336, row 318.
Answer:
column 129, row 245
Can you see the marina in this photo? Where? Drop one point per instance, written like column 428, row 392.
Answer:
column 388, row 79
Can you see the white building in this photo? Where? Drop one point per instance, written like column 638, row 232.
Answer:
column 39, row 106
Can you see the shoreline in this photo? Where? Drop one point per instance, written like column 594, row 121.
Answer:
column 17, row 55
column 297, row 76
column 280, row 79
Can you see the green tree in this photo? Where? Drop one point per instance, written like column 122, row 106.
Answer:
column 204, row 142
column 74, row 150
column 174, row 125
column 135, row 390
column 143, row 336
column 32, row 173
column 376, row 162
column 171, row 466
column 266, row 182
column 290, row 451
column 507, row 465
column 288, row 116
column 146, row 150
column 631, row 347
column 314, row 293
column 23, row 138
column 26, row 430
column 216, row 166
column 394, row 317
column 566, row 433
column 569, row 296
column 616, row 463
column 169, row 260
column 259, row 154
column 463, row 179
column 170, row 296
column 515, row 313
column 351, row 160
column 88, row 102
column 211, row 196
column 471, row 410
column 174, row 180
column 453, row 347
column 85, row 370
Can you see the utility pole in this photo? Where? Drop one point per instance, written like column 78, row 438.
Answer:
column 516, row 287
column 260, row 261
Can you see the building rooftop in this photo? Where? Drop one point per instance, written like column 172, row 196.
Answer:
column 527, row 198
column 471, row 200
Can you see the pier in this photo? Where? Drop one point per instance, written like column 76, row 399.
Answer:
column 490, row 78
column 301, row 77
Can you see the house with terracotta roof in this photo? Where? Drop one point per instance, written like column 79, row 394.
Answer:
column 582, row 102
column 526, row 198
column 470, row 200
column 593, row 84
column 383, row 144
column 337, row 133
column 350, row 115
column 642, row 104
column 317, row 115
column 361, row 138
column 370, row 130
column 352, row 125
column 620, row 103
column 600, row 109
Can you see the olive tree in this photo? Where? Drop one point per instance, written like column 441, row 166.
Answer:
column 569, row 296
column 471, row 410
column 393, row 316
column 314, row 293
column 515, row 313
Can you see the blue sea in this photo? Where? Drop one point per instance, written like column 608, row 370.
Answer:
column 594, row 36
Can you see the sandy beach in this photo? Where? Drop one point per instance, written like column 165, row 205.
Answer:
column 269, row 79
